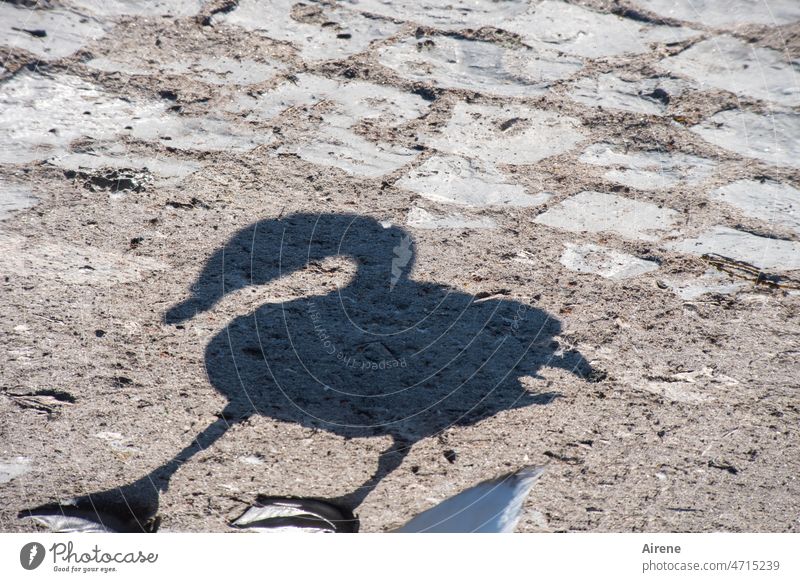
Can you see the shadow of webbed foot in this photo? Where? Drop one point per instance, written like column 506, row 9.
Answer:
column 129, row 509
column 283, row 514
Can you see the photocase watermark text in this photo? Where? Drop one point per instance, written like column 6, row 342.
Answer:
column 64, row 553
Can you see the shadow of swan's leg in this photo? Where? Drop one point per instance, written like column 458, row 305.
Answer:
column 389, row 460
column 133, row 507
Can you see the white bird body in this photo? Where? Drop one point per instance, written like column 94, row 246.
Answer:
column 493, row 506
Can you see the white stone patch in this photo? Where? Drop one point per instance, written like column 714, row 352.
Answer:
column 219, row 70
column 773, row 138
column 199, row 133
column 304, row 90
column 348, row 103
column 507, row 134
column 609, row 91
column 110, row 65
column 65, row 31
column 168, row 171
column 649, row 170
column 383, row 104
column 117, row 441
column 731, row 13
column 771, row 202
column 765, row 253
column 72, row 264
column 341, row 33
column 584, row 32
column 334, row 144
column 40, row 115
column 731, row 64
column 599, row 212
column 13, row 468
column 143, row 8
column 712, row 281
column 227, row 71
column 252, row 460
column 467, row 182
column 343, row 149
column 608, row 263
column 444, row 14
column 14, row 197
column 476, row 65
column 686, row 392
column 420, row 218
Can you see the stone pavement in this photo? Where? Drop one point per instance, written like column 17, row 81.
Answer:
column 634, row 164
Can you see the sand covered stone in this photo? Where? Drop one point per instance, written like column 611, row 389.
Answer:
column 167, row 171
column 459, row 63
column 766, row 253
column 649, row 170
column 604, row 261
column 716, row 13
column 772, row 202
column 771, row 138
column 343, row 149
column 327, row 33
column 467, row 182
column 584, row 32
column 728, row 63
column 444, row 14
column 507, row 134
column 49, row 34
column 11, row 468
column 345, row 105
column 142, row 8
column 215, row 70
column 421, row 218
column 600, row 212
column 13, row 197
column 648, row 96
column 41, row 114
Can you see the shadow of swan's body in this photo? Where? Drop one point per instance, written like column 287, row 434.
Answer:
column 384, row 355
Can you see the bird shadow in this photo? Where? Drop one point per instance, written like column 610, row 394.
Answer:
column 384, row 355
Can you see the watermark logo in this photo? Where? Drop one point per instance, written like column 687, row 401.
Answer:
column 31, row 555
column 402, row 255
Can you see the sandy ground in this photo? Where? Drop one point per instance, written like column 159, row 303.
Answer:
column 606, row 178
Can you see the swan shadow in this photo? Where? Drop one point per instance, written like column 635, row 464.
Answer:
column 384, row 355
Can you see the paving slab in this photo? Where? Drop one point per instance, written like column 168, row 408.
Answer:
column 715, row 13
column 729, row 63
column 215, row 70
column 458, row 63
column 648, row 96
column 600, row 212
column 766, row 253
column 649, row 170
column 581, row 31
column 48, row 34
column 605, row 262
column 14, row 197
column 457, row 180
column 770, row 138
column 41, row 114
column 422, row 219
column 444, row 14
column 508, row 134
column 331, row 33
column 11, row 468
column 140, row 8
column 773, row 202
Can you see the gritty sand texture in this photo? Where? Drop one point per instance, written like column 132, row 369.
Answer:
column 505, row 188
